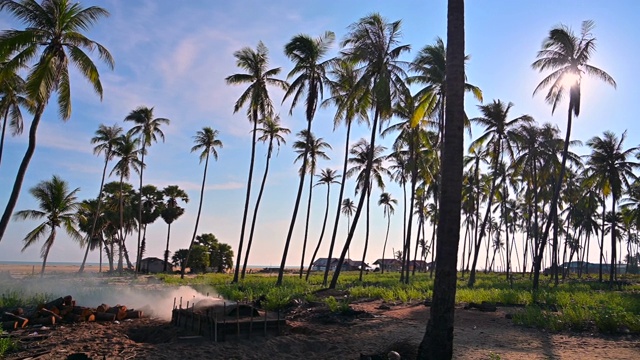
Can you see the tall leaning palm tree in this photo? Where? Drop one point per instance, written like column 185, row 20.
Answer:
column 327, row 177
column 57, row 205
column 54, row 39
column 106, row 138
column 148, row 128
column 307, row 55
column 374, row 43
column 609, row 169
column 567, row 56
column 387, row 202
column 311, row 148
column 343, row 92
column 206, row 141
column 256, row 96
column 438, row 338
column 271, row 131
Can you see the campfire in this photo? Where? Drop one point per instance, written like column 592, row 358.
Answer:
column 65, row 310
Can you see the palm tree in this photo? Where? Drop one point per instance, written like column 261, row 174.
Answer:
column 307, row 54
column 53, row 28
column 327, row 177
column 206, row 141
column 500, row 134
column 359, row 159
column 272, row 131
column 57, row 205
column 258, row 76
column 374, row 43
column 348, row 208
column 567, row 55
column 344, row 91
column 149, row 131
column 387, row 202
column 12, row 90
column 309, row 148
column 438, row 338
column 152, row 206
column 106, row 138
column 127, row 150
column 430, row 67
column 171, row 213
column 85, row 214
column 609, row 170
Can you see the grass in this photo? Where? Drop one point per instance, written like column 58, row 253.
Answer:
column 582, row 304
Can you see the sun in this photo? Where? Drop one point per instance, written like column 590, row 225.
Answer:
column 569, row 79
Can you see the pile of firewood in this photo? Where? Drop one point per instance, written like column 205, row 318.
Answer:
column 65, row 310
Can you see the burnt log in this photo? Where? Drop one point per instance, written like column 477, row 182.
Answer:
column 134, row 314
column 22, row 322
column 103, row 316
column 9, row 325
column 119, row 310
column 83, row 311
column 102, row 308
column 45, row 320
column 47, row 312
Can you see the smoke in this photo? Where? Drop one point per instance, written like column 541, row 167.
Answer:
column 154, row 298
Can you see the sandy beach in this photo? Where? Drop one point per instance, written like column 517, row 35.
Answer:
column 20, row 271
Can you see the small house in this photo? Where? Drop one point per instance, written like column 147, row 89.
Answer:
column 389, row 264
column 153, row 265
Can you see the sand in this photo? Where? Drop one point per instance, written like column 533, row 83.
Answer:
column 16, row 270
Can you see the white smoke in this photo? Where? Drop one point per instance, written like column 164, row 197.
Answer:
column 154, row 298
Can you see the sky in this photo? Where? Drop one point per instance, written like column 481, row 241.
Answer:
column 174, row 57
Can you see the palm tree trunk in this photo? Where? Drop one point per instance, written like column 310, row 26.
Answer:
column 95, row 218
column 356, row 216
column 195, row 228
column 384, row 247
column 22, row 170
column 612, row 268
column 438, row 338
column 324, row 225
column 472, row 276
column 166, row 254
column 285, row 252
column 404, row 273
column 415, row 254
column 554, row 202
column 340, row 196
column 255, row 210
column 601, row 243
column 121, row 240
column 366, row 237
column 4, row 128
column 49, row 244
column 306, row 224
column 248, row 196
column 138, row 252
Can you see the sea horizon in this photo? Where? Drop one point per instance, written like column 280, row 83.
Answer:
column 78, row 263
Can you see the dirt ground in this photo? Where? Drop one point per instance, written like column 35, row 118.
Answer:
column 314, row 333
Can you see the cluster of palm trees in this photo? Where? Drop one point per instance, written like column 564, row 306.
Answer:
column 521, row 178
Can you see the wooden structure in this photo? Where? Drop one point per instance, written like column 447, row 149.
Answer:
column 223, row 320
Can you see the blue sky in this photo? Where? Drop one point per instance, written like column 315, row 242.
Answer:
column 174, row 57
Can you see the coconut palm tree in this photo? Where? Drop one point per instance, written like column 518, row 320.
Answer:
column 171, row 212
column 57, row 205
column 206, row 141
column 85, row 214
column 256, row 96
column 387, row 202
column 309, row 148
column 438, row 338
column 53, row 36
column 567, row 56
column 344, row 91
column 327, row 177
column 106, row 138
column 430, row 67
column 500, row 133
column 359, row 159
column 271, row 131
column 348, row 208
column 609, row 169
column 126, row 150
column 148, row 128
column 374, row 43
column 307, row 54
column 12, row 92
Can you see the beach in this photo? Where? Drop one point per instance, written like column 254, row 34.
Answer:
column 18, row 270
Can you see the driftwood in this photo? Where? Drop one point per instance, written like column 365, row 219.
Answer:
column 47, row 312
column 119, row 310
column 45, row 320
column 133, row 314
column 103, row 316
